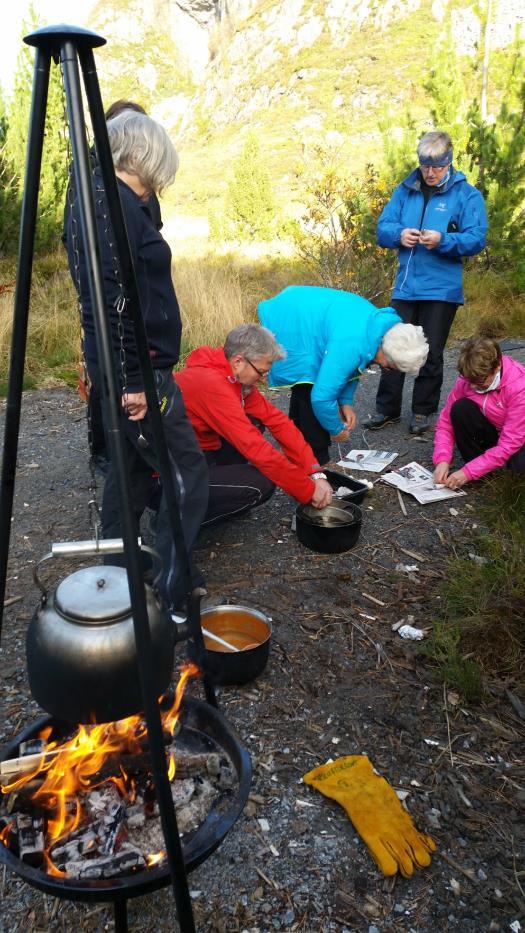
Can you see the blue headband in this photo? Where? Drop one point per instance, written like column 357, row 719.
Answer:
column 437, row 162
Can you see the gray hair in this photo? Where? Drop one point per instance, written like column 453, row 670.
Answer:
column 406, row 346
column 253, row 342
column 434, row 145
column 142, row 147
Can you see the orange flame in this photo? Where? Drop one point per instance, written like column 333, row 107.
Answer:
column 171, row 718
column 155, row 858
column 66, row 770
column 4, row 833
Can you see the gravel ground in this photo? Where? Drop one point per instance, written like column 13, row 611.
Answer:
column 339, row 681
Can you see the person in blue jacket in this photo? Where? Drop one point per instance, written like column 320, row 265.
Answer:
column 330, row 336
column 434, row 219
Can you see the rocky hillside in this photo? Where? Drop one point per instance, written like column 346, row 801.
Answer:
column 297, row 73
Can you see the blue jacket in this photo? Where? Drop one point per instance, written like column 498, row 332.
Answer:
column 330, row 336
column 458, row 212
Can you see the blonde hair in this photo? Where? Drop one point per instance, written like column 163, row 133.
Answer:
column 406, row 346
column 479, row 358
column 142, row 147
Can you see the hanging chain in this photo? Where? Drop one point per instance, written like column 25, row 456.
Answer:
column 94, row 515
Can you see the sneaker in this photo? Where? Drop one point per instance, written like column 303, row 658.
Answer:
column 379, row 420
column 419, row 423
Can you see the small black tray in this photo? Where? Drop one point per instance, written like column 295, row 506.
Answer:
column 336, row 479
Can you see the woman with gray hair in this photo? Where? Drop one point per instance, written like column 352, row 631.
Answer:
column 434, row 219
column 145, row 162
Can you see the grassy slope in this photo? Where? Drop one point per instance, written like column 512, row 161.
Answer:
column 371, row 60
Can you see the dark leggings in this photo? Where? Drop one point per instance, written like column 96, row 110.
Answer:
column 475, row 434
column 302, row 415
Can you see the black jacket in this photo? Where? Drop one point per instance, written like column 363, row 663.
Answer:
column 152, row 260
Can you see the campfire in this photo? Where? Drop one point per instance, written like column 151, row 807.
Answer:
column 83, row 806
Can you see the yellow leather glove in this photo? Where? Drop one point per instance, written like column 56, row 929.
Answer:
column 374, row 808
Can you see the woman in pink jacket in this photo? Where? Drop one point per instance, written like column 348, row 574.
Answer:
column 484, row 415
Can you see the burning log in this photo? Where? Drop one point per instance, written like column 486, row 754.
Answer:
column 113, row 824
column 30, row 838
column 81, row 842
column 107, row 866
column 191, row 763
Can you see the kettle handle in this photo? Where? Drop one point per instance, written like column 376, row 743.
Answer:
column 86, row 549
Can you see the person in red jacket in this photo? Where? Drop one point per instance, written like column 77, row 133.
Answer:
column 225, row 407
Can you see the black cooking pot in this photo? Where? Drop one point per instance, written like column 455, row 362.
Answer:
column 331, row 530
column 80, row 647
column 246, row 629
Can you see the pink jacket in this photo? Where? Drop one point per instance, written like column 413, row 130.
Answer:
column 504, row 407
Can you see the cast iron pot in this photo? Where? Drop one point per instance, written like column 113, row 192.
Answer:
column 246, row 629
column 331, row 530
column 80, row 647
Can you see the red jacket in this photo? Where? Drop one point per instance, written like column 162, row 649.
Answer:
column 218, row 408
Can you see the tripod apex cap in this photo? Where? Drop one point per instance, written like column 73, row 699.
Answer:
column 50, row 37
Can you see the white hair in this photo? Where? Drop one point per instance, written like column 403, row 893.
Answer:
column 142, row 147
column 406, row 346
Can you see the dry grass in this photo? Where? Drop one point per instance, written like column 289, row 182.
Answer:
column 53, row 330
column 492, row 307
column 216, row 292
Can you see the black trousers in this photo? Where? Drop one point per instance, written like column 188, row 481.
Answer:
column 475, row 434
column 235, row 485
column 302, row 415
column 435, row 317
column 190, row 475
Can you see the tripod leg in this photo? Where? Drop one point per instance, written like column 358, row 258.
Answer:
column 120, row 912
column 21, row 309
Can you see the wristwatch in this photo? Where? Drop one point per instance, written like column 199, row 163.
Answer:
column 317, row 475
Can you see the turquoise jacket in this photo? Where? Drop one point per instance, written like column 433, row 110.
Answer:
column 330, row 336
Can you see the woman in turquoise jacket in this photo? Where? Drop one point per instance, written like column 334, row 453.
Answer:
column 434, row 219
column 330, row 336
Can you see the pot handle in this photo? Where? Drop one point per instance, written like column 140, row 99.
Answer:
column 86, row 549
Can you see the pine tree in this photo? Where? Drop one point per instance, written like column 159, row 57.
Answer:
column 53, row 177
column 250, row 202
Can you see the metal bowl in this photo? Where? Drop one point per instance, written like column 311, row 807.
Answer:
column 331, row 530
column 246, row 629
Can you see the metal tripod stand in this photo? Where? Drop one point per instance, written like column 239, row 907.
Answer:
column 73, row 47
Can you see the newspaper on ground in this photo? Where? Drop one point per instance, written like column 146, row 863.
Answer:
column 372, row 461
column 418, row 482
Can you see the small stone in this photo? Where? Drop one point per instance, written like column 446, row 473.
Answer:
column 481, row 875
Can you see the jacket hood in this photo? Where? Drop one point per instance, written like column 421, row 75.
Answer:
column 211, row 358
column 414, row 180
column 380, row 321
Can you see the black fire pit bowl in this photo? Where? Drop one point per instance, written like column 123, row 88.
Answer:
column 331, row 530
column 209, row 726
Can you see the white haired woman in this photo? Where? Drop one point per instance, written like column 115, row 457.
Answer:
column 145, row 162
column 434, row 219
column 330, row 336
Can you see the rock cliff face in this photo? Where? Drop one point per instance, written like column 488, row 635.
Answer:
column 241, row 53
column 297, row 72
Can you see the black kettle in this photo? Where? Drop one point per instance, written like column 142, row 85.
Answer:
column 80, row 647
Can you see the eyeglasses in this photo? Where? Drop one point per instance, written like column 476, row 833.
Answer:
column 262, row 373
column 433, row 168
